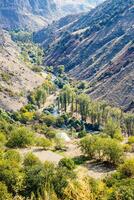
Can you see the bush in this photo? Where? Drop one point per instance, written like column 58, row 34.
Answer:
column 127, row 148
column 62, row 177
column 34, row 179
column 36, row 68
column 127, row 169
column 105, row 149
column 4, row 195
column 87, row 146
column 114, row 152
column 6, row 127
column 21, row 137
column 13, row 156
column 2, row 139
column 113, row 129
column 131, row 140
column 82, row 85
column 39, row 177
column 82, row 134
column 50, row 133
column 44, row 142
column 79, row 160
column 79, row 190
column 123, row 190
column 49, row 120
column 11, row 175
column 60, row 121
column 68, row 163
column 27, row 117
column 59, row 144
column 30, row 160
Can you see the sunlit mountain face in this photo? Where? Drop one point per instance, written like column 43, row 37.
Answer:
column 76, row 6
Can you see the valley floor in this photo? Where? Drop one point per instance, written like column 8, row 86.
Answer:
column 92, row 168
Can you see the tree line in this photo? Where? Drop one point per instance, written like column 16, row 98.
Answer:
column 95, row 112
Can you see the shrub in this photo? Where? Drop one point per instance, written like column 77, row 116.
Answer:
column 78, row 190
column 4, row 194
column 34, row 179
column 50, row 133
column 6, row 127
column 61, row 179
column 2, row 139
column 49, row 120
column 114, row 152
column 127, row 168
column 30, row 160
column 113, row 129
column 122, row 190
column 27, row 117
column 60, row 121
column 44, row 142
column 127, row 148
column 82, row 85
column 12, row 155
column 82, row 134
column 21, row 137
column 131, row 140
column 10, row 173
column 59, row 144
column 68, row 163
column 36, row 69
column 39, row 177
column 87, row 146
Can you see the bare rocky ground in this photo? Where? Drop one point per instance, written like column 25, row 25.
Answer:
column 16, row 79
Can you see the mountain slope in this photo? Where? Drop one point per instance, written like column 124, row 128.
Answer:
column 35, row 14
column 16, row 79
column 88, row 45
column 28, row 14
column 116, row 82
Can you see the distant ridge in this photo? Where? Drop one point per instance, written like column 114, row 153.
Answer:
column 36, row 14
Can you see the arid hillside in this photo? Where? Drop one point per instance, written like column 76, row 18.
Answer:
column 16, row 79
column 115, row 82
